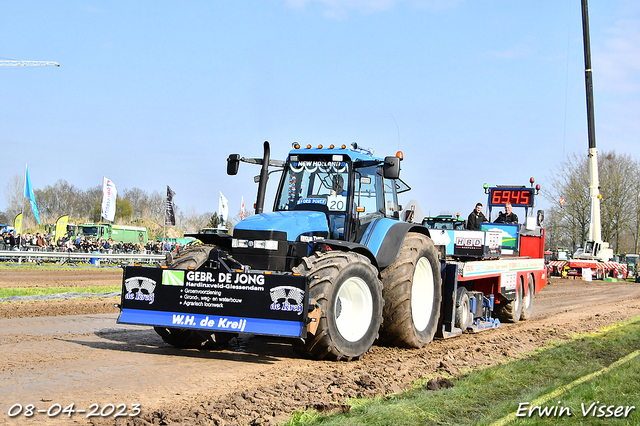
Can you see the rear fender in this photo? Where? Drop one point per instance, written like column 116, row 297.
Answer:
column 384, row 238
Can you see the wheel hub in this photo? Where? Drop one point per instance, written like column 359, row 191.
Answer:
column 353, row 309
column 422, row 294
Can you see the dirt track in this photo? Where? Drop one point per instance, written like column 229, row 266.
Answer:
column 78, row 354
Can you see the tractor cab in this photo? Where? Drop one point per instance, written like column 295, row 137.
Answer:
column 349, row 186
column 325, row 193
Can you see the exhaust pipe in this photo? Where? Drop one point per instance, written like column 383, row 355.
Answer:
column 264, row 178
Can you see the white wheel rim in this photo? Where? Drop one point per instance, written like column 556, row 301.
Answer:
column 519, row 294
column 353, row 309
column 467, row 319
column 528, row 299
column 422, row 294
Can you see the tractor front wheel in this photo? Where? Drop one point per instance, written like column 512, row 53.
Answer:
column 347, row 288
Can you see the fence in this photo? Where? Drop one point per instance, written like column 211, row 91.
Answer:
column 40, row 257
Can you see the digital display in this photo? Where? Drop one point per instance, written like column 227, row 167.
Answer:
column 518, row 197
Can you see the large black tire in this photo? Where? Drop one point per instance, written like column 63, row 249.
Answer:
column 512, row 311
column 464, row 317
column 412, row 294
column 527, row 301
column 347, row 287
column 186, row 338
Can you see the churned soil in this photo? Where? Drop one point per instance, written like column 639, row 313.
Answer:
column 61, row 351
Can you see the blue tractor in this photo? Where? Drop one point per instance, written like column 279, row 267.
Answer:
column 334, row 251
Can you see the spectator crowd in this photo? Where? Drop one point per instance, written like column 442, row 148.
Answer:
column 80, row 244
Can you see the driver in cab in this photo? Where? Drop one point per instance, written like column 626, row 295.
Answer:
column 338, row 186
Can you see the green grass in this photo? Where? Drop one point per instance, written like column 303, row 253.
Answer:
column 589, row 368
column 36, row 291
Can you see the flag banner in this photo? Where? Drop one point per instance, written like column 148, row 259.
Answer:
column 17, row 223
column 242, row 214
column 169, row 214
column 61, row 227
column 28, row 192
column 109, row 195
column 223, row 208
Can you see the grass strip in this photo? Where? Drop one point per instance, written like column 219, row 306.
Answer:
column 579, row 382
column 39, row 291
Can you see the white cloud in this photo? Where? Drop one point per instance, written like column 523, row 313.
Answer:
column 617, row 62
column 339, row 9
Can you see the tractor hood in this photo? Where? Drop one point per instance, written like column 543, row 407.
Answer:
column 294, row 223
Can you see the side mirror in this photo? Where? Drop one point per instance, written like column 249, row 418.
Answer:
column 391, row 168
column 233, row 163
column 540, row 217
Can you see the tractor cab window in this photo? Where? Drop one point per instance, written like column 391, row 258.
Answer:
column 391, row 198
column 89, row 231
column 368, row 197
column 309, row 184
column 319, row 185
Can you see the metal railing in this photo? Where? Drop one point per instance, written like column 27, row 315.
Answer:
column 40, row 257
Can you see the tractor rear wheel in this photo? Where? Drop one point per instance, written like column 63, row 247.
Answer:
column 527, row 301
column 187, row 338
column 412, row 293
column 349, row 292
column 512, row 311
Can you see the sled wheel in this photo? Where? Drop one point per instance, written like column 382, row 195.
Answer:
column 464, row 317
column 186, row 338
column 413, row 293
column 511, row 311
column 347, row 288
column 527, row 300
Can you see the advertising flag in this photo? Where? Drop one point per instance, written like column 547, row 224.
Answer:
column 223, row 208
column 109, row 194
column 242, row 215
column 28, row 192
column 169, row 214
column 61, row 227
column 17, row 223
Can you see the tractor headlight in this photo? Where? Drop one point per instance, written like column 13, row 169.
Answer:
column 266, row 244
column 271, row 245
column 258, row 244
column 239, row 243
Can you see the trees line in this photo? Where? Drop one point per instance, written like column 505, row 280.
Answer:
column 568, row 225
column 133, row 206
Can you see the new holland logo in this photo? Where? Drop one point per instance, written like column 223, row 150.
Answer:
column 173, row 278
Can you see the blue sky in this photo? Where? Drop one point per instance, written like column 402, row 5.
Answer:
column 156, row 93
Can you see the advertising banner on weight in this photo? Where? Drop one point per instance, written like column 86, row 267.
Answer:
column 215, row 300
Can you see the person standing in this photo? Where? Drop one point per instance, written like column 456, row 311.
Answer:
column 507, row 216
column 475, row 218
